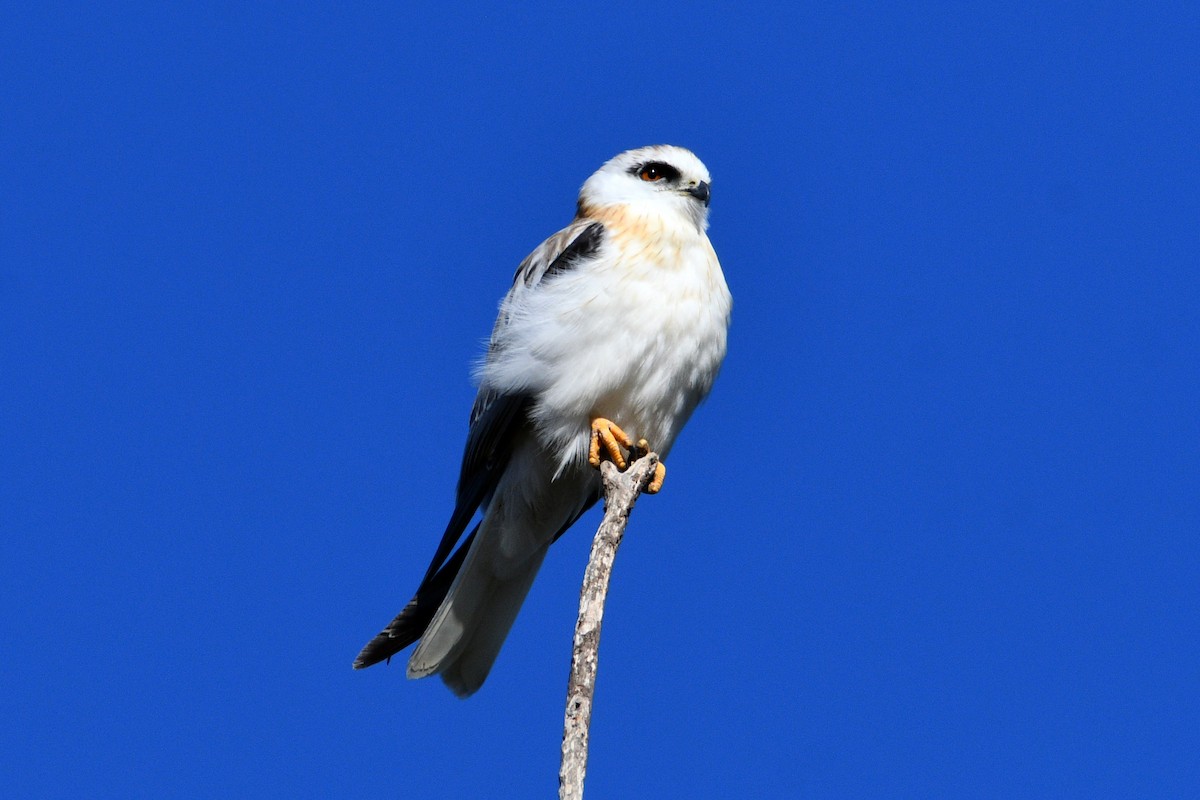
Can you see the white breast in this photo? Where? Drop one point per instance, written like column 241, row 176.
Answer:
column 635, row 335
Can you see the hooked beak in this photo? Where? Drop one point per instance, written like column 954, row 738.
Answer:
column 701, row 192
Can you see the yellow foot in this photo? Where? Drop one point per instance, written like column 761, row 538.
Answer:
column 606, row 432
column 660, row 475
column 660, row 469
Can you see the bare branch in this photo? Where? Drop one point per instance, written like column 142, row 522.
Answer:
column 621, row 490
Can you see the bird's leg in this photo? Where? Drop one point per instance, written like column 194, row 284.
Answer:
column 660, row 469
column 606, row 432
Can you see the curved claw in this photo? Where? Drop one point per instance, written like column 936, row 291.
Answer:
column 607, row 432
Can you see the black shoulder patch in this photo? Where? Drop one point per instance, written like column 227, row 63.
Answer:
column 585, row 245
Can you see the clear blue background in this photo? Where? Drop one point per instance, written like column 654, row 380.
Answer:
column 933, row 535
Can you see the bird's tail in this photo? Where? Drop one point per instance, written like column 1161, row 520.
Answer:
column 465, row 635
column 411, row 622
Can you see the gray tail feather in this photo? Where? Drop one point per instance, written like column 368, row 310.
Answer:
column 463, row 641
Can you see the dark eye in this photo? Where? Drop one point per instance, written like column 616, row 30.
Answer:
column 656, row 171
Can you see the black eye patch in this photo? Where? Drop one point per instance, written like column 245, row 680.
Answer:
column 656, row 171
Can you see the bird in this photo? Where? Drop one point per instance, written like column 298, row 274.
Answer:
column 612, row 334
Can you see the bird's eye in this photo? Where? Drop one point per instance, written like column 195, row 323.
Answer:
column 655, row 172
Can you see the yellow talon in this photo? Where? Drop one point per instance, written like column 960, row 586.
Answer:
column 607, row 433
column 614, row 439
column 660, row 475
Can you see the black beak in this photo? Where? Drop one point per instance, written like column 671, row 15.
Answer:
column 700, row 192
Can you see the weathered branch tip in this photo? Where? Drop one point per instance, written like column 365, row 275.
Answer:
column 621, row 491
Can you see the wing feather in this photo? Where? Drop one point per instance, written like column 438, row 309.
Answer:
column 496, row 420
column 497, row 417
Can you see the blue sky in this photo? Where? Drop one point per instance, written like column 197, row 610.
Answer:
column 933, row 535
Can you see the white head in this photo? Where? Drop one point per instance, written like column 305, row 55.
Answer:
column 656, row 180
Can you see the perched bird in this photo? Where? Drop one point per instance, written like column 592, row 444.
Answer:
column 613, row 332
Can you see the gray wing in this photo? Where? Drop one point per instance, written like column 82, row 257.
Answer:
column 496, row 419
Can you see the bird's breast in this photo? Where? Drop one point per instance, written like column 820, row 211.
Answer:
column 637, row 337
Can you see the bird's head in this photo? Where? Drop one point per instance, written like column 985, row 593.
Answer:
column 661, row 180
